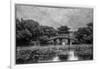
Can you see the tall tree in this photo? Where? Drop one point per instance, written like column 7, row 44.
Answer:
column 26, row 30
column 85, row 34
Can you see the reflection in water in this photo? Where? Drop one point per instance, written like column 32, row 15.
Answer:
column 72, row 56
column 63, row 57
column 56, row 59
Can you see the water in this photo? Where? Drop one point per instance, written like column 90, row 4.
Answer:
column 56, row 59
column 72, row 56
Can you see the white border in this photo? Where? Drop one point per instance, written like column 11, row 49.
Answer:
column 44, row 65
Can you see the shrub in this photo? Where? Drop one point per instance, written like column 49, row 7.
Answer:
column 63, row 56
column 35, row 55
column 84, row 53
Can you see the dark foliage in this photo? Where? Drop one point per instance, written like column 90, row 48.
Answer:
column 85, row 35
column 63, row 30
column 30, row 30
column 26, row 30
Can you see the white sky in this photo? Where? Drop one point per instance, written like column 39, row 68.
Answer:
column 55, row 17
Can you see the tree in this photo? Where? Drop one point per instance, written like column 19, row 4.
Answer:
column 63, row 30
column 43, row 40
column 33, row 27
column 47, row 31
column 26, row 30
column 85, row 34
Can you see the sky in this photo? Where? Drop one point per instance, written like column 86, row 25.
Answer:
column 73, row 17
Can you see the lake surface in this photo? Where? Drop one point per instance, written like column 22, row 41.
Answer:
column 71, row 56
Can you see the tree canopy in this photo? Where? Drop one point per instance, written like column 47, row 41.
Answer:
column 30, row 30
column 85, row 34
column 63, row 30
column 26, row 30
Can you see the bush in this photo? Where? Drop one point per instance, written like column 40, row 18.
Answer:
column 84, row 53
column 35, row 55
column 40, row 54
column 22, row 56
column 63, row 56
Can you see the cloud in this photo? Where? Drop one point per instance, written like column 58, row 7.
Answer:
column 55, row 17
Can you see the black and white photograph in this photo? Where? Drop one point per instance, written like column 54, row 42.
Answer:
column 48, row 34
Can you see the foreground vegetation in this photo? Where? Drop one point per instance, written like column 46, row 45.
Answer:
column 36, row 53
